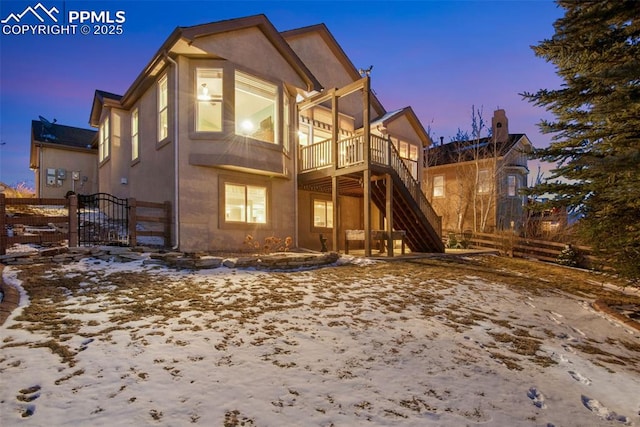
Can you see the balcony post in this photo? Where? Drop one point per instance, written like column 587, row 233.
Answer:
column 335, row 131
column 389, row 213
column 366, row 125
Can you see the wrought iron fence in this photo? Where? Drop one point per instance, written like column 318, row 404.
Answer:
column 103, row 220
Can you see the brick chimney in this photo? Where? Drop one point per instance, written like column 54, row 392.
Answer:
column 500, row 126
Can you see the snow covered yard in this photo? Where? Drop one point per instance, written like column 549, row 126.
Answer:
column 442, row 342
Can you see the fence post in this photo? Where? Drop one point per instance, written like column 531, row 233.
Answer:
column 73, row 221
column 167, row 224
column 133, row 222
column 3, row 225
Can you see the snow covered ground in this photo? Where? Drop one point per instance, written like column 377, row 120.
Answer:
column 413, row 343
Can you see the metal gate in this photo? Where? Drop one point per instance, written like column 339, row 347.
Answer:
column 103, row 220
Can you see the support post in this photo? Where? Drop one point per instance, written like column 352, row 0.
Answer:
column 167, row 224
column 389, row 214
column 336, row 221
column 335, row 131
column 133, row 222
column 73, row 221
column 366, row 125
column 3, row 226
column 367, row 211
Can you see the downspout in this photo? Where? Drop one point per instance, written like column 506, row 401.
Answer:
column 176, row 169
column 296, row 151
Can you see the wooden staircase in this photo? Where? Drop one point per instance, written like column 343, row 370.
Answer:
column 407, row 216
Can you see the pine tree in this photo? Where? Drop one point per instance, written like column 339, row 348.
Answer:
column 596, row 126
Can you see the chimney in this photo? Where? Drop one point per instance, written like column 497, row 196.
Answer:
column 441, row 140
column 500, row 126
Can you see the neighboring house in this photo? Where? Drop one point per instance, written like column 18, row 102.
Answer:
column 249, row 131
column 475, row 185
column 63, row 159
column 548, row 224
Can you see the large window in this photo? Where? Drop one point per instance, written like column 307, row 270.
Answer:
column 103, row 142
column 163, row 109
column 512, row 185
column 208, row 100
column 255, row 108
column 135, row 144
column 245, row 203
column 484, row 185
column 438, row 186
column 322, row 213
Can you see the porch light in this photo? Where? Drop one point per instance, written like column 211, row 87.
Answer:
column 204, row 93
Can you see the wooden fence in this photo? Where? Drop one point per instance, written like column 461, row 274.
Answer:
column 511, row 245
column 18, row 223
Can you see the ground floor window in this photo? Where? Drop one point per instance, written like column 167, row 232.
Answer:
column 322, row 213
column 245, row 203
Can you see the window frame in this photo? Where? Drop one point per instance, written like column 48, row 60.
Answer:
column 163, row 109
column 515, row 186
column 135, row 134
column 104, row 140
column 326, row 202
column 238, row 122
column 223, row 223
column 441, row 186
column 197, row 101
column 484, row 183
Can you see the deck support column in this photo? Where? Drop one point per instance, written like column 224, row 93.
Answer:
column 389, row 213
column 336, row 209
column 366, row 126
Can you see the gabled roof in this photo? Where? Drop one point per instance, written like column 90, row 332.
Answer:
column 61, row 135
column 180, row 42
column 99, row 99
column 411, row 117
column 477, row 149
column 336, row 49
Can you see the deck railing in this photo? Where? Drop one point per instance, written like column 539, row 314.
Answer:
column 316, row 156
column 383, row 153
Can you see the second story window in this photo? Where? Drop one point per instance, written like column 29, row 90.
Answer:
column 438, row 186
column 512, row 185
column 255, row 108
column 208, row 100
column 484, row 185
column 135, row 147
column 103, row 142
column 163, row 109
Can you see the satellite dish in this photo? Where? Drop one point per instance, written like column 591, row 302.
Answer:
column 46, row 123
column 47, row 129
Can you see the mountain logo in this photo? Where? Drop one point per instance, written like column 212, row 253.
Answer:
column 38, row 11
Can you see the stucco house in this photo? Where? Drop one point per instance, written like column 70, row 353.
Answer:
column 63, row 159
column 250, row 131
column 475, row 185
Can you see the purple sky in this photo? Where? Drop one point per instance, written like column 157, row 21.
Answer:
column 438, row 57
